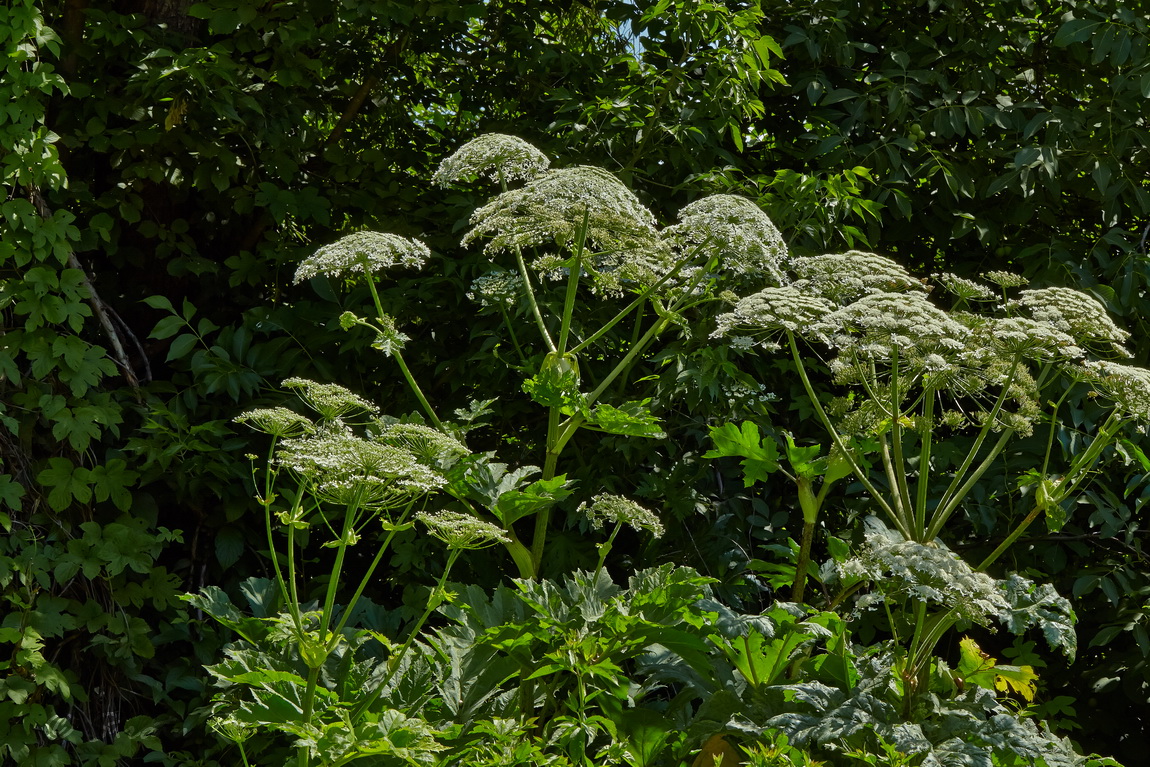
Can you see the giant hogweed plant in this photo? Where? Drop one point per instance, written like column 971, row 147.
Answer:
column 997, row 365
column 346, row 476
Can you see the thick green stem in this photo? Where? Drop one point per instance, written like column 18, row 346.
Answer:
column 394, row 661
column 943, row 512
column 924, row 466
column 837, row 439
column 900, row 482
column 418, row 392
column 950, row 498
column 810, row 509
column 573, row 275
column 383, row 547
column 531, row 300
column 380, row 314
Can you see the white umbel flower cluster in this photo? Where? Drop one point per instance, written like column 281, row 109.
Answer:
column 931, row 572
column 735, row 230
column 426, row 443
column 276, row 421
column 497, row 289
column 879, row 325
column 1074, row 312
column 607, row 508
column 461, row 531
column 844, row 277
column 1126, row 386
column 762, row 316
column 331, row 401
column 495, row 155
column 342, row 468
column 363, row 252
column 960, row 287
column 1032, row 339
column 554, row 207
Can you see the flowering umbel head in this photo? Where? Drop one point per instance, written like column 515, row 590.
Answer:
column 462, row 531
column 1126, row 386
column 276, row 421
column 559, row 206
column 363, row 252
column 762, row 316
column 844, row 277
column 1075, row 313
column 342, row 468
column 331, row 401
column 495, row 155
column 736, row 231
column 606, row 508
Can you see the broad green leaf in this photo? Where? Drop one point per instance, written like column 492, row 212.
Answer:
column 633, row 419
column 760, row 456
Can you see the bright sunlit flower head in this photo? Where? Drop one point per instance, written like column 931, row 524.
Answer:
column 880, row 325
column 844, row 277
column 606, row 508
column 363, row 252
column 276, row 421
column 495, row 155
column 461, row 531
column 424, row 442
column 553, row 207
column 1074, row 312
column 1032, row 339
column 331, row 401
column 345, row 469
column 735, row 230
column 763, row 316
column 1128, row 387
column 1005, row 279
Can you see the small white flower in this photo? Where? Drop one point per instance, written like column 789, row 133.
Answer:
column 363, row 252
column 606, row 508
column 493, row 155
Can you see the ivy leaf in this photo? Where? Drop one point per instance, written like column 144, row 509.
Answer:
column 67, row 481
column 11, row 492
